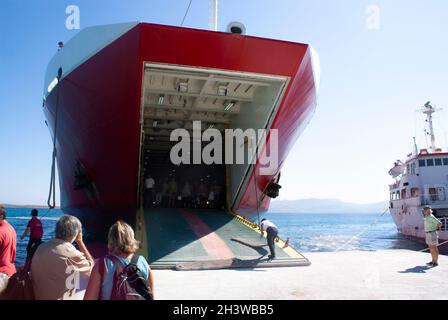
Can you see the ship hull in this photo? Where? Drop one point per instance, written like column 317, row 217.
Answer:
column 408, row 218
column 95, row 114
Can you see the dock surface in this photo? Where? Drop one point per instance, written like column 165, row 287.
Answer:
column 373, row 275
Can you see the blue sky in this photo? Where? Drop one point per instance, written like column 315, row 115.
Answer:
column 371, row 84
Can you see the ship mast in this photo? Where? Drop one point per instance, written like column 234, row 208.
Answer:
column 415, row 147
column 214, row 15
column 429, row 110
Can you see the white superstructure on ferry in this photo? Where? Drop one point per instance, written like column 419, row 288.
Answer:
column 422, row 179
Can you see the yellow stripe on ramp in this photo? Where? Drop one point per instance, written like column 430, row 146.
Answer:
column 141, row 233
column 288, row 250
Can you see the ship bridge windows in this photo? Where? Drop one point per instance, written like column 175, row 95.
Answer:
column 433, row 162
column 422, row 163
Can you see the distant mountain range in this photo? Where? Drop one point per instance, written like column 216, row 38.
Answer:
column 325, row 206
column 298, row 206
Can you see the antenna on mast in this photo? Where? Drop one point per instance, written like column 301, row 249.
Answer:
column 214, row 15
column 428, row 110
column 415, row 146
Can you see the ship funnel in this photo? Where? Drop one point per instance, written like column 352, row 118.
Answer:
column 236, row 28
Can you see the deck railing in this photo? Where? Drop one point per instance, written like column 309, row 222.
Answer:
column 444, row 221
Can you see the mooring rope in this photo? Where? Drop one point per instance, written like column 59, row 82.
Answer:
column 186, row 13
column 437, row 246
column 363, row 231
column 372, row 225
column 52, row 192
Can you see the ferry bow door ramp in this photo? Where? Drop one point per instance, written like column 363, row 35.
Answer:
column 190, row 174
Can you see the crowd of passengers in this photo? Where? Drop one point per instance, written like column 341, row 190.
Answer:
column 55, row 266
column 204, row 192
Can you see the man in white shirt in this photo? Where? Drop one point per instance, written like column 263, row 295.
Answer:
column 272, row 233
column 149, row 191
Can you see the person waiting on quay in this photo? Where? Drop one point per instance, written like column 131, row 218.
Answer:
column 36, row 231
column 432, row 224
column 7, row 250
column 272, row 234
column 122, row 247
column 57, row 264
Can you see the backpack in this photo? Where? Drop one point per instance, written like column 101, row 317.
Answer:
column 19, row 287
column 129, row 283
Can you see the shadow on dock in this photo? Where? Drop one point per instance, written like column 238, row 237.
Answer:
column 417, row 269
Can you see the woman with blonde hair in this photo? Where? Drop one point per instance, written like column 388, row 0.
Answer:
column 122, row 247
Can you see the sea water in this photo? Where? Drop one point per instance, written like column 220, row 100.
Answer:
column 341, row 232
column 19, row 217
column 307, row 232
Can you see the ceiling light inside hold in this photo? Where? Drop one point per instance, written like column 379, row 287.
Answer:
column 161, row 98
column 230, row 105
column 182, row 87
column 222, row 91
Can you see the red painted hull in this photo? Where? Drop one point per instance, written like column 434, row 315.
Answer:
column 99, row 110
